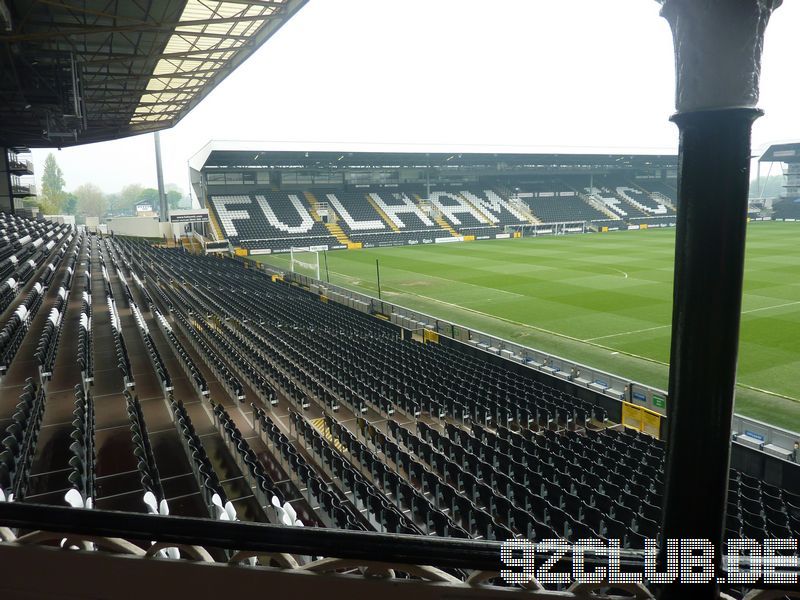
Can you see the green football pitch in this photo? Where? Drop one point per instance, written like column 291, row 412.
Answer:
column 604, row 300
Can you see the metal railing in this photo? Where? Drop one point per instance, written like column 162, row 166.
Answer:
column 444, row 567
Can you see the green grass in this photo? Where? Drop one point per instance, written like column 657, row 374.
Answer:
column 602, row 300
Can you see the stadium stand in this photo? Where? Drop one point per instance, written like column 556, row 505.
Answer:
column 348, row 425
column 469, row 448
column 279, row 221
column 405, row 222
column 615, row 202
column 496, row 207
column 458, row 211
column 787, row 209
column 552, row 208
column 357, row 214
column 402, row 211
column 666, row 188
column 271, row 221
column 636, row 197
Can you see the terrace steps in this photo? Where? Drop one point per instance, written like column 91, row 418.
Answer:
column 337, row 232
column 438, row 218
column 319, row 425
column 215, row 228
column 478, row 209
column 314, row 204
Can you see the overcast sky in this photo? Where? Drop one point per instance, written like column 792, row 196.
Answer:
column 535, row 73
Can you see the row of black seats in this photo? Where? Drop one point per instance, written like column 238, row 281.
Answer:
column 224, row 375
column 85, row 358
column 569, row 485
column 242, row 365
column 142, row 449
column 382, row 509
column 402, row 492
column 246, row 457
column 152, row 351
column 605, row 467
column 337, row 509
column 189, row 366
column 218, row 339
column 31, row 251
column 468, row 501
column 82, row 451
column 51, row 331
column 758, row 510
column 120, row 348
column 17, row 325
column 19, row 443
column 202, row 468
column 15, row 232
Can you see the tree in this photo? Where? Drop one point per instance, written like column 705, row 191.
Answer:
column 70, row 203
column 149, row 195
column 114, row 201
column 174, row 198
column 91, row 201
column 52, row 196
column 129, row 196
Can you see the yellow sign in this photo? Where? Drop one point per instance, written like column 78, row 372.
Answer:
column 469, row 238
column 643, row 226
column 651, row 423
column 241, row 251
column 641, row 419
column 604, row 229
column 355, row 246
column 430, row 336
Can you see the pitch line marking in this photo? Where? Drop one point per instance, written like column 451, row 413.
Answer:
column 610, row 335
column 450, row 281
column 744, row 312
column 752, row 310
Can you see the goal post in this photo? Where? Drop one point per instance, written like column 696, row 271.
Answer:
column 305, row 262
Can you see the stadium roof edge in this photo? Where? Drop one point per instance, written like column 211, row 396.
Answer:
column 201, row 157
column 92, row 71
column 788, row 152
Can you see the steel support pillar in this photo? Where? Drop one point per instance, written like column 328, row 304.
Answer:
column 163, row 212
column 713, row 176
column 718, row 52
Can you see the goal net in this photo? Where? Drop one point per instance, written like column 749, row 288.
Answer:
column 305, row 262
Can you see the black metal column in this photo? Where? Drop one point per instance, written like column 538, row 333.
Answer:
column 713, row 182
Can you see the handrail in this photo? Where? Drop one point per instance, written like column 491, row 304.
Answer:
column 401, row 549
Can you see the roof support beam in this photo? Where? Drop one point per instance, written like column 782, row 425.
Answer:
column 177, row 28
column 203, row 55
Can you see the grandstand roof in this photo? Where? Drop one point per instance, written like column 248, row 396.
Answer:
column 786, row 153
column 348, row 155
column 79, row 71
